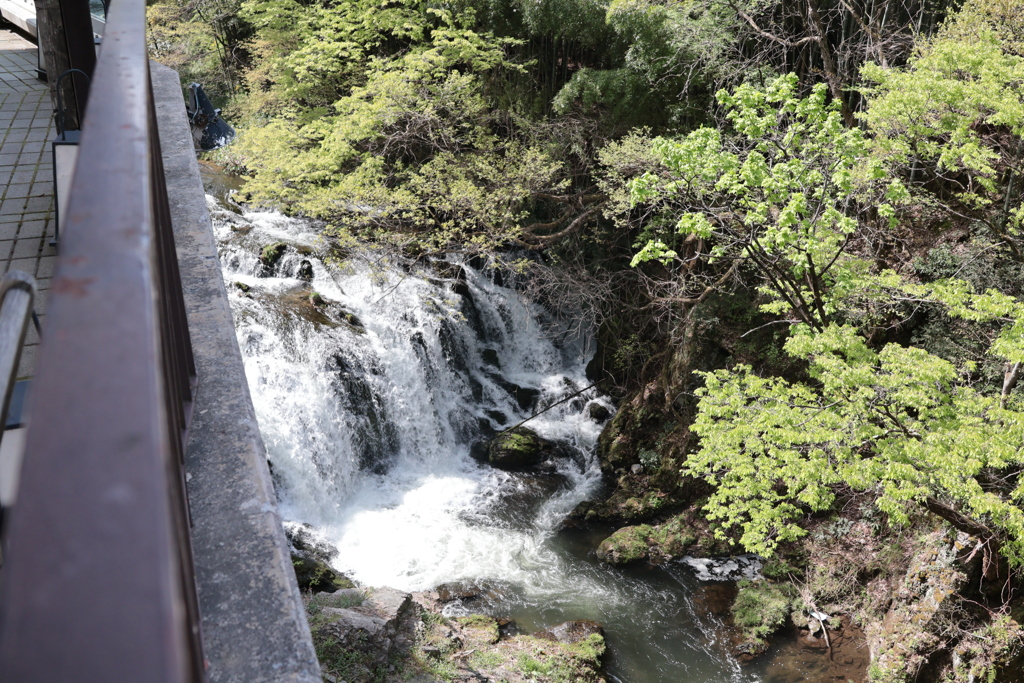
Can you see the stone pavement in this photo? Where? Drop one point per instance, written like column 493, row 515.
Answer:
column 27, row 213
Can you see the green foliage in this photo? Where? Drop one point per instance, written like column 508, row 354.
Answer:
column 951, row 121
column 202, row 40
column 896, row 421
column 671, row 55
column 411, row 150
column 309, row 55
column 785, row 195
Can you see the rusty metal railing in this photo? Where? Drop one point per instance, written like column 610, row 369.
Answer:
column 97, row 581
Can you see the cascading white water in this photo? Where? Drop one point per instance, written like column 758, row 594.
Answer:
column 369, row 427
column 369, row 405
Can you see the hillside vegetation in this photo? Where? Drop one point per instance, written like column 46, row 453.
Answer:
column 796, row 225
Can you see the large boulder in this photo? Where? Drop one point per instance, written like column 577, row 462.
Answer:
column 517, row 449
column 360, row 632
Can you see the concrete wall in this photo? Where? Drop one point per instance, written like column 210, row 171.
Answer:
column 254, row 625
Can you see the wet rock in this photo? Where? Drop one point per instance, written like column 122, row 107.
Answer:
column 598, row 412
column 272, row 253
column 497, row 417
column 241, row 286
column 461, row 598
column 526, row 397
column 458, row 590
column 490, row 356
column 311, row 561
column 317, row 299
column 351, row 319
column 645, row 542
column 517, row 449
column 316, row 576
column 520, row 498
column 305, row 271
column 478, row 450
column 571, row 632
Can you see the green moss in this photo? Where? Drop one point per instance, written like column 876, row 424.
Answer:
column 486, row 660
column 272, row 253
column 516, row 448
column 529, row 665
column 484, row 627
column 628, row 544
column 761, row 608
column 316, row 575
column 779, row 568
column 590, row 648
column 674, row 536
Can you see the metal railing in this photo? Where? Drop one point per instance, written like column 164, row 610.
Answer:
column 97, row 581
column 17, row 296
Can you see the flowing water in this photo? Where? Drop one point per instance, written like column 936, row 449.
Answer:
column 369, row 403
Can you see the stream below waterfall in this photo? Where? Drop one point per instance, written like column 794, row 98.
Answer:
column 369, row 400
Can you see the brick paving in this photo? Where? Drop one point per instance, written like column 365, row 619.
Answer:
column 27, row 213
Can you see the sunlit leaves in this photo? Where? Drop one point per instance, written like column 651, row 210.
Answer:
column 894, row 422
column 786, row 191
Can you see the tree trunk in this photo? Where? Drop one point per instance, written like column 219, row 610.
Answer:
column 828, row 61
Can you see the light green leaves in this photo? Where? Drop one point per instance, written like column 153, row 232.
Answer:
column 785, row 193
column 895, row 422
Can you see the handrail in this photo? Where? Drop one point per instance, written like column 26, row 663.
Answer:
column 17, row 295
column 97, row 581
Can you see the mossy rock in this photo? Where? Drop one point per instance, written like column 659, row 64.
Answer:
column 627, row 545
column 310, row 559
column 517, row 449
column 760, row 609
column 657, row 543
column 272, row 253
column 317, row 576
column 480, row 628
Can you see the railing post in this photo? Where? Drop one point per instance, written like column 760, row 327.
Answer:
column 65, row 34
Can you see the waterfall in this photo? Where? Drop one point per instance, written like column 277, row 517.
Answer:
column 371, row 395
column 370, row 402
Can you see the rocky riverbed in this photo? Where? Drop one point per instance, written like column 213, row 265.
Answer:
column 365, row 635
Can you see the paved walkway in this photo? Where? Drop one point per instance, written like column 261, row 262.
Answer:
column 26, row 175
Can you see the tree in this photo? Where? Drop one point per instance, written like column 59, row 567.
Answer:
column 785, row 196
column 898, row 422
column 411, row 152
column 950, row 123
